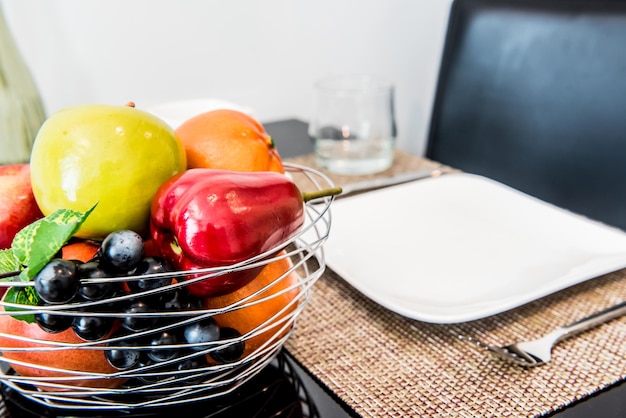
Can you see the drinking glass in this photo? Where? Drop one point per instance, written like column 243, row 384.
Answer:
column 353, row 125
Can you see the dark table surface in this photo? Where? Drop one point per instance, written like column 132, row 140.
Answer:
column 292, row 139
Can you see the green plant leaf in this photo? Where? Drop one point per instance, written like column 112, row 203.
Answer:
column 32, row 248
column 8, row 262
column 24, row 296
column 35, row 245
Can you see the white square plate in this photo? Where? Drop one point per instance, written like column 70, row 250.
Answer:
column 461, row 247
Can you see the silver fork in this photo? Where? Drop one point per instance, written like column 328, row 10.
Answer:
column 537, row 352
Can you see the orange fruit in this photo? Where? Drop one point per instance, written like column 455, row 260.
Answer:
column 247, row 319
column 229, row 140
column 80, row 250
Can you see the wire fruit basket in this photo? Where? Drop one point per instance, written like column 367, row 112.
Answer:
column 181, row 372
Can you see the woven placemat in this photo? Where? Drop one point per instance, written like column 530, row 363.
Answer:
column 382, row 364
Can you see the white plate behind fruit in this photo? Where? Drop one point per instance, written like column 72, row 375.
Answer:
column 176, row 112
column 461, row 247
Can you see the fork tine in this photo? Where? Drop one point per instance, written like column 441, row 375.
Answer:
column 502, row 352
column 527, row 357
column 511, row 357
column 539, row 351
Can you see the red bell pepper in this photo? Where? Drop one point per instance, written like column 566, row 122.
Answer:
column 213, row 218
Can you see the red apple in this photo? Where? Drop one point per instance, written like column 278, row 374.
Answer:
column 18, row 207
column 92, row 362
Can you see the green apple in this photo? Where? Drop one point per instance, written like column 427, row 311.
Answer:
column 112, row 156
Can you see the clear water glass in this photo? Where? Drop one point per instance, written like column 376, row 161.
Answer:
column 353, row 126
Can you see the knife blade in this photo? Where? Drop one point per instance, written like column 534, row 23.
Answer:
column 379, row 183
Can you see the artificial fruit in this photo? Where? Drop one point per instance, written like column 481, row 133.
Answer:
column 228, row 139
column 112, row 156
column 70, row 361
column 216, row 218
column 269, row 299
column 18, row 207
column 81, row 250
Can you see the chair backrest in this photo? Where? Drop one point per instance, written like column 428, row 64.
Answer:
column 532, row 93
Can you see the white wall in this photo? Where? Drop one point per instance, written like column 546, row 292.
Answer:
column 261, row 54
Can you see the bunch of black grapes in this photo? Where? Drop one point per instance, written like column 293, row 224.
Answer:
column 88, row 291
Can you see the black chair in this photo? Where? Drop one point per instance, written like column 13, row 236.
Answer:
column 532, row 93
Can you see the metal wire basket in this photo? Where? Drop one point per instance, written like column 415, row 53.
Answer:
column 277, row 391
column 165, row 383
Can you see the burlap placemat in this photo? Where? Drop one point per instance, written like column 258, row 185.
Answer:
column 382, row 364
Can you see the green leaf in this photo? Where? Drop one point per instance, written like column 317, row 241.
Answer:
column 23, row 296
column 35, row 245
column 8, row 262
column 32, row 248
